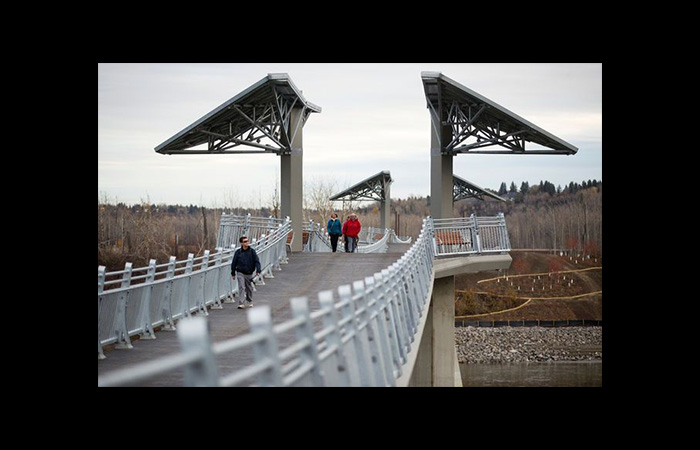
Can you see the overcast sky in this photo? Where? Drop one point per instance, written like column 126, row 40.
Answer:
column 373, row 118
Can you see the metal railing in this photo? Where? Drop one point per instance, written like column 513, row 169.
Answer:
column 360, row 336
column 232, row 227
column 470, row 235
column 317, row 240
column 380, row 246
column 135, row 301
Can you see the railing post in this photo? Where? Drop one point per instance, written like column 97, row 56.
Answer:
column 376, row 313
column 477, row 238
column 341, row 374
column 194, row 337
column 101, row 270
column 265, row 350
column 168, row 322
column 145, row 319
column 364, row 316
column 188, row 272
column 246, row 225
column 218, row 259
column 305, row 332
column 123, row 341
column 362, row 360
column 202, row 281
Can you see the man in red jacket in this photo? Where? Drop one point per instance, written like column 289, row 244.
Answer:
column 351, row 232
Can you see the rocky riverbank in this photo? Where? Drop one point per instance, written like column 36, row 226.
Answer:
column 528, row 344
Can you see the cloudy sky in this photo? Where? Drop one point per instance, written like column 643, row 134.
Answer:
column 373, row 118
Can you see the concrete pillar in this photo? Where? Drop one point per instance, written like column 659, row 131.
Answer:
column 292, row 181
column 385, row 207
column 422, row 375
column 441, row 204
column 443, row 310
column 436, row 359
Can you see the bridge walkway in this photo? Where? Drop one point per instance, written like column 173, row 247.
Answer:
column 307, row 274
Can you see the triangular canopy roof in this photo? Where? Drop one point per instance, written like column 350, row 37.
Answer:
column 478, row 122
column 259, row 113
column 372, row 188
column 466, row 189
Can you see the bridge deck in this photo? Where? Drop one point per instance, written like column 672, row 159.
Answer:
column 306, row 275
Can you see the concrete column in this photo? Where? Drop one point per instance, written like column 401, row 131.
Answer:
column 422, row 375
column 385, row 207
column 441, row 204
column 436, row 358
column 292, row 181
column 443, row 311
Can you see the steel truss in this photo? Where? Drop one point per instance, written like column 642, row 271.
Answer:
column 468, row 120
column 261, row 119
column 266, row 121
column 462, row 189
column 373, row 188
column 475, row 123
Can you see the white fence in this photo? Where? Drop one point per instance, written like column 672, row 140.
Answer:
column 135, row 301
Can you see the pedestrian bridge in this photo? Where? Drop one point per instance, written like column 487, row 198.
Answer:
column 381, row 317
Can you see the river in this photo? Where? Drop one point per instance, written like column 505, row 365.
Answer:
column 533, row 374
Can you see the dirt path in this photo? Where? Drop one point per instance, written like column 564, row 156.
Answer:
column 590, row 308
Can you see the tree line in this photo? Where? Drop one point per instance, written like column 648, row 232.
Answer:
column 537, row 216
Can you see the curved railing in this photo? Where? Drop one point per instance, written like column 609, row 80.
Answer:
column 365, row 332
column 136, row 300
column 318, row 241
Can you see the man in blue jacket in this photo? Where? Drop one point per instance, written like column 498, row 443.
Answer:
column 244, row 266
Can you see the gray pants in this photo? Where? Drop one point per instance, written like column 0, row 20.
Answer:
column 352, row 243
column 245, row 287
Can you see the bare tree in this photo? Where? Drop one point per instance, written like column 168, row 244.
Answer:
column 316, row 197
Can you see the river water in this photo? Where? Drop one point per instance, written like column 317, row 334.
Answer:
column 533, row 374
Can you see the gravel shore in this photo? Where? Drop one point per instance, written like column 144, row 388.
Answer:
column 528, row 344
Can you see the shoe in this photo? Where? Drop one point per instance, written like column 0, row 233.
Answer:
column 250, row 304
column 241, row 307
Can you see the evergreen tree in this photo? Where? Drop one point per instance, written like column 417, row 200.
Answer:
column 513, row 188
column 502, row 190
column 524, row 187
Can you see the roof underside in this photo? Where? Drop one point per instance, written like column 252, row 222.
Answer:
column 372, row 188
column 466, row 189
column 257, row 118
column 478, row 122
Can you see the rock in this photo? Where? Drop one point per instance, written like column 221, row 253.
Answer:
column 522, row 344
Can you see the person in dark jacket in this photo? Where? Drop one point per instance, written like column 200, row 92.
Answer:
column 243, row 267
column 335, row 229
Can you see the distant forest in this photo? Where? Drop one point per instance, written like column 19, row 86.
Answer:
column 539, row 216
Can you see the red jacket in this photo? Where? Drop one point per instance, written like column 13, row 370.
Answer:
column 352, row 228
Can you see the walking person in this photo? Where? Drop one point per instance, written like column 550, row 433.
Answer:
column 351, row 231
column 243, row 267
column 335, row 228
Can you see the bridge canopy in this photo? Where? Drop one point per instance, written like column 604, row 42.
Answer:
column 372, row 188
column 478, row 122
column 256, row 120
column 466, row 189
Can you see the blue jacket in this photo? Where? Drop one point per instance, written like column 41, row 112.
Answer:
column 245, row 261
column 334, row 226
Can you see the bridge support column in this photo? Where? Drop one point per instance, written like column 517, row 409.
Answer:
column 441, row 203
column 384, row 211
column 291, row 180
column 435, row 363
